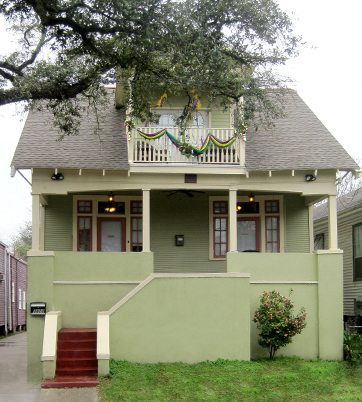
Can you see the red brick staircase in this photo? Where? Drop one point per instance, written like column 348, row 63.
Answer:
column 77, row 364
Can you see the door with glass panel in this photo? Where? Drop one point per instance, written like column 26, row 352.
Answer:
column 248, row 234
column 111, row 234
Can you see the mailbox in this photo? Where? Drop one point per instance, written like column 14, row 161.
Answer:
column 179, row 240
column 38, row 308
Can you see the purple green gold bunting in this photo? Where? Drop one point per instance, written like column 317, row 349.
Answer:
column 205, row 144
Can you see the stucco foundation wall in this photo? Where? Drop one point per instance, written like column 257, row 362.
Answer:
column 318, row 286
column 79, row 285
column 189, row 319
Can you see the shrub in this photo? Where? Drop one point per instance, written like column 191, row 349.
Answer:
column 275, row 321
column 352, row 346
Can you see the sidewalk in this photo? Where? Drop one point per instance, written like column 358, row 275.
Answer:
column 13, row 384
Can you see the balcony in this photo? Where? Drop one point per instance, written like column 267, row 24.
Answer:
column 163, row 151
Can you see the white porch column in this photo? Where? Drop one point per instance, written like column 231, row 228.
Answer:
column 146, row 221
column 35, row 222
column 311, row 231
column 332, row 222
column 233, row 244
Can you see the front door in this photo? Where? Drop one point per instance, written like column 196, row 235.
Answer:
column 111, row 234
column 248, row 234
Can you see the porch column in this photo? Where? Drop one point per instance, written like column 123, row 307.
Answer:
column 233, row 244
column 311, row 231
column 146, row 220
column 35, row 222
column 332, row 222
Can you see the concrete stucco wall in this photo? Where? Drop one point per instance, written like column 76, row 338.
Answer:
column 189, row 319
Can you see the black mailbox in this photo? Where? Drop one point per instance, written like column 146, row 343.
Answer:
column 179, row 240
column 38, row 308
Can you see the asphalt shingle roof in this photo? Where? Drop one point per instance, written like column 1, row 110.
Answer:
column 299, row 141
column 39, row 146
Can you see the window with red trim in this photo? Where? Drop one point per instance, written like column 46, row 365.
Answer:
column 272, row 207
column 84, row 207
column 84, row 233
column 136, row 207
column 220, row 237
column 136, row 233
column 220, row 207
column 272, row 233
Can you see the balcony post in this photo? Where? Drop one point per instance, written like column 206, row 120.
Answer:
column 130, row 146
column 35, row 222
column 233, row 244
column 146, row 220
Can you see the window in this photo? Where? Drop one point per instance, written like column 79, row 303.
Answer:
column 168, row 118
column 136, row 207
column 357, row 252
column 319, row 241
column 220, row 237
column 24, row 300
column 84, row 233
column 102, row 205
column 84, row 207
column 272, row 207
column 12, row 292
column 220, row 207
column 272, row 234
column 20, row 305
column 136, row 243
column 248, row 208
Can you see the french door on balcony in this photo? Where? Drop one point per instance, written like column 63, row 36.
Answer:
column 111, row 234
column 248, row 234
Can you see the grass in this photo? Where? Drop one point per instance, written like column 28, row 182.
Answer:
column 284, row 379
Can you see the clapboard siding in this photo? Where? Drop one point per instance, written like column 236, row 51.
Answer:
column 351, row 288
column 181, row 215
column 58, row 223
column 2, row 286
column 296, row 224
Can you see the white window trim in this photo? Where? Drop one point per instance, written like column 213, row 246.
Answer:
column 20, row 301
column 24, row 300
column 12, row 292
column 258, row 198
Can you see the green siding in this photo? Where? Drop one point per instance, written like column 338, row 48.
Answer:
column 296, row 224
column 59, row 223
column 181, row 215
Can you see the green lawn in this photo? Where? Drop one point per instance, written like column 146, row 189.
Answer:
column 284, row 379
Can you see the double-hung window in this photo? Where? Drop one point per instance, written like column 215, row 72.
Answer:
column 272, row 227
column 357, row 252
column 136, row 226
column 220, row 218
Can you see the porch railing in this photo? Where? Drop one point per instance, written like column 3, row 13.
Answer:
column 162, row 150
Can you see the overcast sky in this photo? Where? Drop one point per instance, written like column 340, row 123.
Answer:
column 327, row 76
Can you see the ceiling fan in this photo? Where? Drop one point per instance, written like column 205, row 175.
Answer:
column 187, row 192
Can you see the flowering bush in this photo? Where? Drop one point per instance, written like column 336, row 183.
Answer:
column 274, row 319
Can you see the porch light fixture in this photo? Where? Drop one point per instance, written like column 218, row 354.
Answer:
column 57, row 176
column 111, row 207
column 309, row 177
column 251, row 197
column 239, row 207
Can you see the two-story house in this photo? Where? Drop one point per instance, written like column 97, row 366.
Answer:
column 166, row 255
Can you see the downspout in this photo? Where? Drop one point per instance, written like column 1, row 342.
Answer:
column 10, row 304
column 5, row 293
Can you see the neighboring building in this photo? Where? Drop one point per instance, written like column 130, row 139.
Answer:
column 349, row 209
column 178, row 282
column 13, row 292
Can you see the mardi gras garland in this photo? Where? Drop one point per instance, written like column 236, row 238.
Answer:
column 191, row 150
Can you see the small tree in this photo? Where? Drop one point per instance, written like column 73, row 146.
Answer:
column 275, row 321
column 21, row 242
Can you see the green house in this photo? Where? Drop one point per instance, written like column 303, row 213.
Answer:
column 164, row 255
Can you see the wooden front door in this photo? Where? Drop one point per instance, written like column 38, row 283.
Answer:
column 111, row 234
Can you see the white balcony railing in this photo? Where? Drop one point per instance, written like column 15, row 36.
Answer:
column 162, row 150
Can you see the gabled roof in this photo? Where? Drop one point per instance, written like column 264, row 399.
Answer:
column 299, row 141
column 39, row 146
column 345, row 202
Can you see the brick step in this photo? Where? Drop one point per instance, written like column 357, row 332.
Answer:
column 77, row 353
column 79, row 363
column 70, row 382
column 74, row 334
column 85, row 371
column 77, row 345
